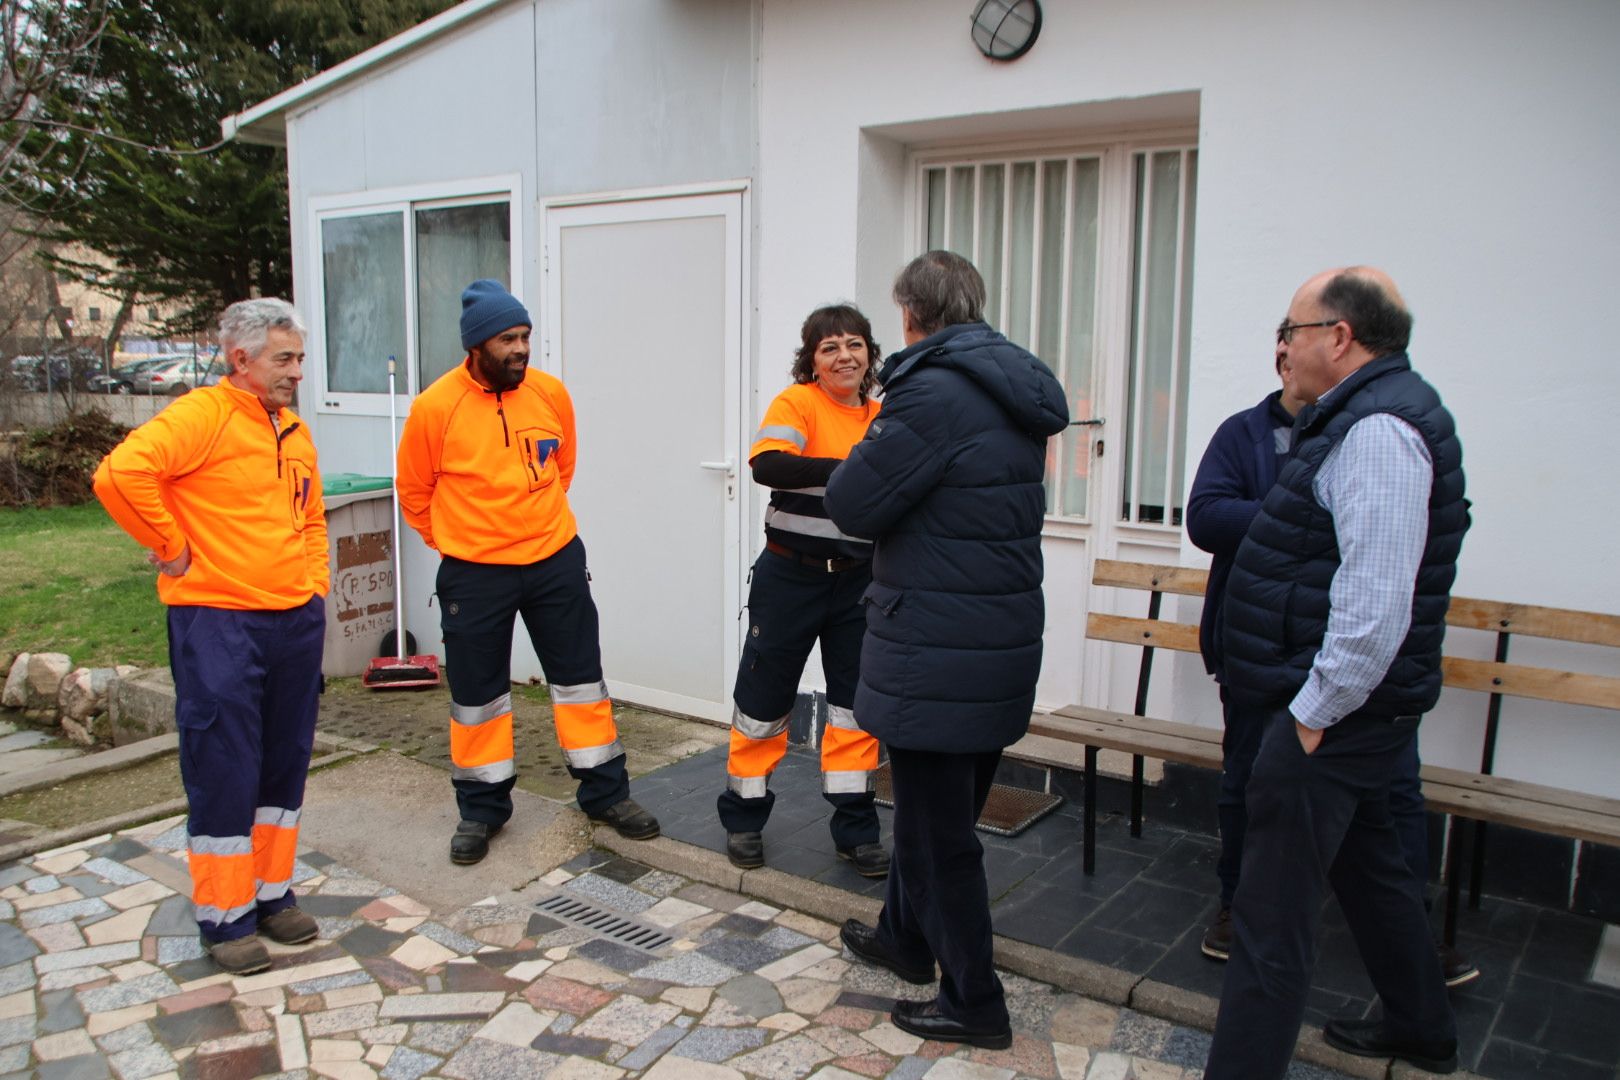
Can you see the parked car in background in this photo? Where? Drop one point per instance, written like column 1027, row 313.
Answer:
column 65, row 364
column 122, row 380
column 178, row 375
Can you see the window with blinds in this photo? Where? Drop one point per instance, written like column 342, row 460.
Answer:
column 1070, row 245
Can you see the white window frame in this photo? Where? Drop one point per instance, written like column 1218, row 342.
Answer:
column 405, row 201
column 1116, row 151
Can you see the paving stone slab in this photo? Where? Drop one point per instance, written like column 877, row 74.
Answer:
column 609, row 893
column 481, row 1059
column 407, row 1064
column 62, row 913
column 440, row 1006
column 15, row 946
column 133, row 992
column 75, row 1068
column 719, row 1044
column 655, row 1045
column 62, row 1012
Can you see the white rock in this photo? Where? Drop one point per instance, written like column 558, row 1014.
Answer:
column 84, row 693
column 44, row 679
column 16, row 692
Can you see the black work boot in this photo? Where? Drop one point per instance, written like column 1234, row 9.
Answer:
column 871, row 860
column 746, row 850
column 628, row 819
column 471, row 842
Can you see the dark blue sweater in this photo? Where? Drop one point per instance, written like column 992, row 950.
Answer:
column 1238, row 469
column 947, row 483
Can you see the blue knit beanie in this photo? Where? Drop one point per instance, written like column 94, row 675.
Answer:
column 487, row 309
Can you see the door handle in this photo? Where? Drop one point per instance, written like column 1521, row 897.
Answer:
column 727, row 466
column 1096, row 421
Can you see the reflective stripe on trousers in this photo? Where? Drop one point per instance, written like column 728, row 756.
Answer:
column 757, row 747
column 231, row 875
column 481, row 740
column 584, row 719
column 848, row 754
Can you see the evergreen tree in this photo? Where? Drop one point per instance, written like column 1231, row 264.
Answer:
column 209, row 225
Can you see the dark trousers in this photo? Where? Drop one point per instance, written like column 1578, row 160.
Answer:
column 1240, row 742
column 1318, row 820
column 479, row 605
column 938, row 905
column 790, row 608
column 246, row 686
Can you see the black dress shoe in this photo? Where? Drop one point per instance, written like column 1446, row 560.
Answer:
column 471, row 842
column 1366, row 1038
column 862, row 940
column 870, row 859
column 628, row 819
column 923, row 1019
column 745, row 849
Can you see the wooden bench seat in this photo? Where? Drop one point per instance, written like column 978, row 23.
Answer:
column 1466, row 796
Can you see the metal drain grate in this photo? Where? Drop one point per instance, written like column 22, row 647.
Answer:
column 604, row 923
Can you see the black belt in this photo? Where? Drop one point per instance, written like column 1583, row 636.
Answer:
column 831, row 566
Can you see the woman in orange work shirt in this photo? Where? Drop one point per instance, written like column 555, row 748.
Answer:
column 806, row 587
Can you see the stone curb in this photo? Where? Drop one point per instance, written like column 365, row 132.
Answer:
column 129, row 818
column 123, row 757
column 119, row 757
column 74, row 833
column 1096, row 981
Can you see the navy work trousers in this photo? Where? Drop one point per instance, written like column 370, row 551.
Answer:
column 938, row 905
column 479, row 606
column 247, row 687
column 1240, row 742
column 790, row 608
column 1318, row 820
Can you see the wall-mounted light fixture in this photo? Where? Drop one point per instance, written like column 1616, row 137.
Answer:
column 1006, row 29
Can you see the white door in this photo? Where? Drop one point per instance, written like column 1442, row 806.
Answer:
column 1086, row 253
column 644, row 324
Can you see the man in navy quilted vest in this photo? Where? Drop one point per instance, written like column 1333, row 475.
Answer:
column 1333, row 621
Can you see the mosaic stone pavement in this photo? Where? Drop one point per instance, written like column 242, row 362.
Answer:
column 101, row 974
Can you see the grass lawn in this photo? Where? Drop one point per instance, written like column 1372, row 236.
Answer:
column 71, row 581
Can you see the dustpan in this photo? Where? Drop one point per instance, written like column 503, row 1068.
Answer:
column 399, row 672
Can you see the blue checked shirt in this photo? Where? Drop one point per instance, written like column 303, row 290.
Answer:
column 1376, row 484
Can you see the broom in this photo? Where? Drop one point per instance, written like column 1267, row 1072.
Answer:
column 398, row 672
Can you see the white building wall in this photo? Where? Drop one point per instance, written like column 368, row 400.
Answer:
column 1465, row 147
column 553, row 92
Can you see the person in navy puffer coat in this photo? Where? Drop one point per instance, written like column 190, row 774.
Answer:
column 947, row 482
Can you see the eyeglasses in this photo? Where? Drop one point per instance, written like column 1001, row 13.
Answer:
column 1285, row 329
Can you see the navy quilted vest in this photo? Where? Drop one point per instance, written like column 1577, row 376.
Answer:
column 1277, row 598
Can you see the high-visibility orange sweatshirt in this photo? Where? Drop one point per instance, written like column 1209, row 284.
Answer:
column 214, row 472
column 485, row 476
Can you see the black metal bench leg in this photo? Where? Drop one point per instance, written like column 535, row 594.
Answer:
column 1136, row 794
column 1456, row 829
column 1088, row 861
column 1477, row 878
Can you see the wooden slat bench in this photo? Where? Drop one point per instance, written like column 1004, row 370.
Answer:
column 1478, row 797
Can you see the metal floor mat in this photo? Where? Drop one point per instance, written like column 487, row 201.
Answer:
column 1007, row 812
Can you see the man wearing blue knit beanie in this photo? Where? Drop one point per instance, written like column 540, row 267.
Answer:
column 485, row 465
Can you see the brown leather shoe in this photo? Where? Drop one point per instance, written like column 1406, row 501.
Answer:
column 289, row 926
column 239, row 956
